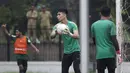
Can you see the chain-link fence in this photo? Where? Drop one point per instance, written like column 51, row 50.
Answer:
column 50, row 50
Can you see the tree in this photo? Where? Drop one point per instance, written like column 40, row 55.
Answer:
column 5, row 16
column 73, row 9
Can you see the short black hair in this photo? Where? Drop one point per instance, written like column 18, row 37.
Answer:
column 105, row 11
column 63, row 10
column 20, row 30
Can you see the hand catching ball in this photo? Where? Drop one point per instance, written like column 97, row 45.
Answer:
column 62, row 28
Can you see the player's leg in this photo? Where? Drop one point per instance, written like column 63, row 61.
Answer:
column 111, row 70
column 101, row 65
column 66, row 63
column 111, row 65
column 76, row 62
column 101, row 70
column 21, row 68
column 25, row 65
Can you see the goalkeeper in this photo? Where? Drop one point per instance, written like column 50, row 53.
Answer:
column 71, row 45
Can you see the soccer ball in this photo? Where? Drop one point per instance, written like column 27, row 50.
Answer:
column 62, row 28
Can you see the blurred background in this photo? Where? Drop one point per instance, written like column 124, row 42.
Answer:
column 14, row 14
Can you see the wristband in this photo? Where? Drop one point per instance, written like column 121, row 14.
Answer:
column 118, row 52
column 70, row 34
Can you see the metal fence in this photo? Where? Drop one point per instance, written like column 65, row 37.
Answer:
column 50, row 50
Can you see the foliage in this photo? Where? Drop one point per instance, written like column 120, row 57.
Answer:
column 126, row 22
column 5, row 15
column 14, row 12
column 111, row 4
column 18, row 9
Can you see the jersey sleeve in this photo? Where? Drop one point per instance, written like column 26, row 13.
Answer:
column 28, row 40
column 92, row 30
column 75, row 27
column 113, row 29
column 54, row 28
column 13, row 37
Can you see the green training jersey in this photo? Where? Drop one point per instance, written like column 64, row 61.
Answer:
column 102, row 30
column 70, row 44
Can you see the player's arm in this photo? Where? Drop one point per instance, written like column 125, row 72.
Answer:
column 114, row 40
column 94, row 42
column 116, row 45
column 75, row 33
column 92, row 34
column 33, row 46
column 5, row 30
column 113, row 37
column 53, row 34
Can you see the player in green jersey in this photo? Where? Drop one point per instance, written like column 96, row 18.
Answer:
column 104, row 35
column 71, row 44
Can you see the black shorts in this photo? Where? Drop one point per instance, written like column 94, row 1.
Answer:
column 22, row 62
column 68, row 59
column 110, row 63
